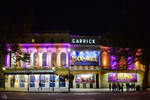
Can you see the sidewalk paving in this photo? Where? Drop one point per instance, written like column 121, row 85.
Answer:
column 72, row 90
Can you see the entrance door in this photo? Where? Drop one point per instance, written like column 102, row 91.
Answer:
column 52, row 80
column 42, row 81
column 97, row 81
column 12, row 81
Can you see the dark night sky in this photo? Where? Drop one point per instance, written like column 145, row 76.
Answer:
column 93, row 16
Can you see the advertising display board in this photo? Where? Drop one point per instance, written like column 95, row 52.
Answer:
column 122, row 77
column 32, row 81
column 85, row 58
column 85, row 78
column 22, row 81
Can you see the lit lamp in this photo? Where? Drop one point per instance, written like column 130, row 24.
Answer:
column 53, row 69
column 69, row 49
column 3, row 68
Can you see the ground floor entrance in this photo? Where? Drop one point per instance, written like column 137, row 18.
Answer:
column 35, row 82
column 86, row 80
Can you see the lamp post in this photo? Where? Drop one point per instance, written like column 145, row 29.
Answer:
column 69, row 69
column 3, row 77
column 53, row 68
column 69, row 79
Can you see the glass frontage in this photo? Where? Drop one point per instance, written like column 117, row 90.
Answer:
column 12, row 81
column 22, row 81
column 63, row 59
column 86, row 81
column 52, row 80
column 61, row 81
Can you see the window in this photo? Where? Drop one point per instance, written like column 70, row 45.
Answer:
column 22, row 81
column 53, row 59
column 61, row 81
column 44, row 56
column 34, row 59
column 12, row 81
column 63, row 59
column 32, row 81
column 52, row 40
column 62, row 40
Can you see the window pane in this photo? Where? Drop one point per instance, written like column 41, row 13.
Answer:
column 44, row 59
column 63, row 59
column 53, row 59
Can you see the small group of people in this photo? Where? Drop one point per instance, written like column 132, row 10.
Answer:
column 118, row 87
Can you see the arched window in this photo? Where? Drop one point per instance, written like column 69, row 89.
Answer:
column 63, row 59
column 53, row 59
column 44, row 56
column 34, row 59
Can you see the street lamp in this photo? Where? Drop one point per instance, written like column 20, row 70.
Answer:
column 69, row 79
column 69, row 50
column 53, row 68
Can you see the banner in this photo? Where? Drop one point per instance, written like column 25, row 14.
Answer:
column 85, row 58
column 122, row 77
column 85, row 78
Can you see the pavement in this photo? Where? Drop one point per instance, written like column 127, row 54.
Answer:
column 72, row 90
column 75, row 96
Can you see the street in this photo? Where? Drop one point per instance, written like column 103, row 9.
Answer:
column 76, row 96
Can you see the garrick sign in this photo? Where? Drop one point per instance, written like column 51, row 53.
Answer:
column 83, row 41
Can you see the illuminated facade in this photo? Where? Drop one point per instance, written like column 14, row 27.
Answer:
column 91, row 65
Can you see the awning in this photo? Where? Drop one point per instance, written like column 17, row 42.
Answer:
column 28, row 72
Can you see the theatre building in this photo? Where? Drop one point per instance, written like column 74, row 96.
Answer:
column 90, row 64
column 85, row 62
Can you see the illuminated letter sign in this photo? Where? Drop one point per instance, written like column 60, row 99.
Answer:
column 83, row 41
column 85, row 58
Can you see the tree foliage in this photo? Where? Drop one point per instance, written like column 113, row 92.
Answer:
column 127, row 45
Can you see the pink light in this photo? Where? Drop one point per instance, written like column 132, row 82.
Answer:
column 45, row 44
column 7, row 61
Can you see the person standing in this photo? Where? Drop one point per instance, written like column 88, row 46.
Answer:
column 40, row 86
column 127, row 86
column 122, row 87
column 119, row 87
column 113, row 86
column 110, row 86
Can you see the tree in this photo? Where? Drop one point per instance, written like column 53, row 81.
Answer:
column 124, row 46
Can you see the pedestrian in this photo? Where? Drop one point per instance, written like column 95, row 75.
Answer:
column 40, row 86
column 122, row 87
column 113, row 87
column 127, row 86
column 119, row 87
column 110, row 86
column 134, row 86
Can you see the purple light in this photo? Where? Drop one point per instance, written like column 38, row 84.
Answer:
column 7, row 61
column 130, row 64
column 113, row 63
column 44, row 44
column 46, row 47
column 74, row 36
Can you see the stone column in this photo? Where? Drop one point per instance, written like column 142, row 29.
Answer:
column 37, row 59
column 47, row 59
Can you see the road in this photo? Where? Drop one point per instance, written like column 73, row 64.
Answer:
column 76, row 96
